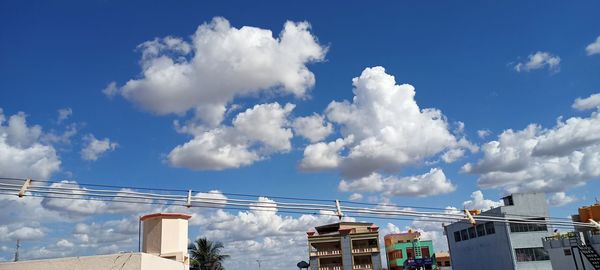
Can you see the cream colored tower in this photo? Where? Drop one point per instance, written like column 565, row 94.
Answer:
column 166, row 235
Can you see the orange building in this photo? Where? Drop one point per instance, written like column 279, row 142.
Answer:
column 589, row 212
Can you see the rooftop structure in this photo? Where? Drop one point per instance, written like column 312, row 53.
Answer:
column 496, row 245
column 344, row 246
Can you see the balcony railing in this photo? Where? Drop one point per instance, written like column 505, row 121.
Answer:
column 365, row 250
column 362, row 266
column 329, row 252
column 331, row 267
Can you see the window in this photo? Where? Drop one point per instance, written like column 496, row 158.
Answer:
column 531, row 254
column 489, row 228
column 425, row 252
column 472, row 233
column 447, row 263
column 567, row 252
column 457, row 236
column 519, row 227
column 508, row 200
column 480, row 230
column 464, row 235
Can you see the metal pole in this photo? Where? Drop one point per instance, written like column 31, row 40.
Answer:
column 258, row 261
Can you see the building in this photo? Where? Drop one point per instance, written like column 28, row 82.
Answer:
column 407, row 251
column 164, row 247
column 579, row 249
column 498, row 245
column 442, row 260
column 344, row 246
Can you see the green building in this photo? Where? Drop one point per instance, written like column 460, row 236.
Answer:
column 408, row 251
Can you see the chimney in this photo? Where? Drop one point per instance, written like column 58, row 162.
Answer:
column 166, row 235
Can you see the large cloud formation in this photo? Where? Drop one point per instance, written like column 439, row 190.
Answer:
column 537, row 159
column 23, row 152
column 382, row 131
column 220, row 63
column 253, row 134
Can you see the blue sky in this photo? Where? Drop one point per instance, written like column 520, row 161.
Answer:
column 461, row 58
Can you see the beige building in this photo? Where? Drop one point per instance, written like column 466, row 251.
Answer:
column 164, row 247
column 344, row 246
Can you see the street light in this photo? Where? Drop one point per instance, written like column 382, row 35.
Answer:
column 258, row 261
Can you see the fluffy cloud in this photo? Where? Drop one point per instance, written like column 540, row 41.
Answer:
column 537, row 159
column 64, row 114
column 24, row 233
column 591, row 102
column 560, row 199
column 280, row 241
column 94, row 148
column 22, row 150
column 478, row 202
column 355, row 197
column 314, row 127
column 220, row 63
column 383, row 129
column 539, row 60
column 253, row 135
column 432, row 183
column 594, row 47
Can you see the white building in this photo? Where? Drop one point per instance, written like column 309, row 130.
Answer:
column 501, row 246
column 574, row 251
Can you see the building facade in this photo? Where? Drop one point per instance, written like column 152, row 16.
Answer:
column 408, row 251
column 501, row 246
column 442, row 260
column 579, row 249
column 345, row 246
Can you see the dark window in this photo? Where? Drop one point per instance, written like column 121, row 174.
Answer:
column 531, row 254
column 480, row 230
column 520, row 227
column 567, row 252
column 447, row 263
column 457, row 236
column 472, row 233
column 489, row 228
column 410, row 253
column 464, row 235
column 508, row 200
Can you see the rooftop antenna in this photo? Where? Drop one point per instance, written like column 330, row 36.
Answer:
column 17, row 251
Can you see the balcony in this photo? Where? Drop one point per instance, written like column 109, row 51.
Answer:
column 329, row 252
column 365, row 249
column 331, row 267
column 362, row 266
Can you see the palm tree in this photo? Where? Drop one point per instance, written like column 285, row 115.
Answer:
column 206, row 255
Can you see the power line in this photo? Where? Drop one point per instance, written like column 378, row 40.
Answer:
column 127, row 195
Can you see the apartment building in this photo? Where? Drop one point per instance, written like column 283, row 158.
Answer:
column 344, row 246
column 408, row 251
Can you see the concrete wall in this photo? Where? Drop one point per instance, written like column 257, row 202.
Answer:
column 495, row 248
column 556, row 250
column 125, row 261
column 346, row 246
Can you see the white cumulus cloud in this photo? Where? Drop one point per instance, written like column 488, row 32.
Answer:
column 594, row 47
column 254, row 134
column 539, row 60
column 23, row 152
column 432, row 183
column 94, row 148
column 314, row 127
column 538, row 159
column 478, row 202
column 220, row 63
column 560, row 199
column 383, row 128
column 591, row 102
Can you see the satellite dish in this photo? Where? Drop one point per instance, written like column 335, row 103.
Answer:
column 303, row 264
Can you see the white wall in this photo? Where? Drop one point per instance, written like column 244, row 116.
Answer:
column 125, row 261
